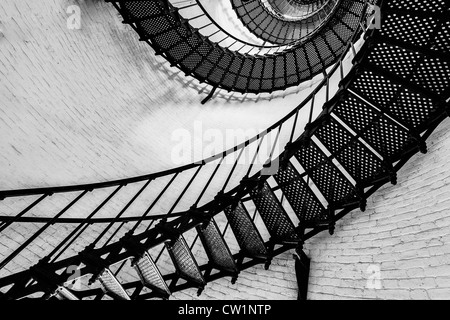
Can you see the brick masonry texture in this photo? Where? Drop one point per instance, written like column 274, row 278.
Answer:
column 94, row 104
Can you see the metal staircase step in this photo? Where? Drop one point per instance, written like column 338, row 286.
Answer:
column 111, row 285
column 274, row 216
column 361, row 163
column 393, row 26
column 184, row 261
column 334, row 186
column 150, row 275
column 272, row 27
column 216, row 248
column 308, row 208
column 245, row 231
column 384, row 135
column 427, row 72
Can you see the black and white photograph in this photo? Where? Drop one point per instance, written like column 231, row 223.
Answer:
column 224, row 158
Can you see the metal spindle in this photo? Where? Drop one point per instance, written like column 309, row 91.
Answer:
column 14, row 219
column 312, row 109
column 209, row 181
column 275, row 142
column 294, row 126
column 232, row 169
column 85, row 223
column 120, row 214
column 255, row 155
column 37, row 233
column 114, row 234
column 184, row 190
column 153, row 204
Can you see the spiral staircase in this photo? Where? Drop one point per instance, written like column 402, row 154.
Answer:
column 276, row 21
column 396, row 93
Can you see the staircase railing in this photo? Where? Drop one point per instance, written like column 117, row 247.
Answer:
column 245, row 69
column 184, row 220
column 198, row 17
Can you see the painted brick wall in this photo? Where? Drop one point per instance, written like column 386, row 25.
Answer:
column 94, row 104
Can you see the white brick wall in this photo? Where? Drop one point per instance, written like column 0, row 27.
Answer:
column 95, row 104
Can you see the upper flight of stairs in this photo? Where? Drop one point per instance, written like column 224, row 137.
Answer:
column 396, row 94
column 267, row 20
column 161, row 25
column 294, row 9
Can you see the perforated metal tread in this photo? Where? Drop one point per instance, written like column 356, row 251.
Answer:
column 245, row 231
column 395, row 99
column 292, row 9
column 184, row 262
column 370, row 123
column 274, row 216
column 308, row 208
column 413, row 67
column 425, row 16
column 150, row 275
column 333, row 185
column 384, row 135
column 216, row 248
